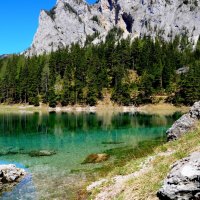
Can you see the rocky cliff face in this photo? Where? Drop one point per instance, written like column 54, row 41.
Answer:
column 71, row 21
column 185, row 123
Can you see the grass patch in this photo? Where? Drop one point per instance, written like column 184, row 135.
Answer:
column 162, row 109
column 121, row 165
column 147, row 185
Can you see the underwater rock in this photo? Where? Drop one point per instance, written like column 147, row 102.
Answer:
column 11, row 151
column 96, row 158
column 112, row 142
column 183, row 181
column 4, row 152
column 41, row 153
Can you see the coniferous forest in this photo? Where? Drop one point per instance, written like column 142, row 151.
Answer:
column 131, row 71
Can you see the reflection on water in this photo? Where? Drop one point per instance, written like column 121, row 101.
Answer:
column 73, row 137
column 53, row 122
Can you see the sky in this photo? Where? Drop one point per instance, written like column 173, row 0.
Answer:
column 19, row 22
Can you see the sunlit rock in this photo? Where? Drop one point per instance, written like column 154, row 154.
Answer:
column 71, row 21
column 183, row 181
column 10, row 176
column 185, row 123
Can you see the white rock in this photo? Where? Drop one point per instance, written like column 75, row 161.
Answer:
column 182, row 183
column 10, row 173
column 70, row 21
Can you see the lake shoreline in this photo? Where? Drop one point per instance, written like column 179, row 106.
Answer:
column 160, row 108
column 133, row 184
column 73, row 136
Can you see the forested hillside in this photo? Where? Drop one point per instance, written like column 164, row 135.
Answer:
column 132, row 71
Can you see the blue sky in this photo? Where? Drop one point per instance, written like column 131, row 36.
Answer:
column 19, row 21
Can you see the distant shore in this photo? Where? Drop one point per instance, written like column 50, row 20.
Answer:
column 160, row 108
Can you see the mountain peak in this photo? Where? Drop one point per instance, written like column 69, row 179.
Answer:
column 71, row 21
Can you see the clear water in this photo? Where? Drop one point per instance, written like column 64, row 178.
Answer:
column 73, row 137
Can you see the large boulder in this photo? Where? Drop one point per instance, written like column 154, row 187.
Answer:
column 183, row 181
column 10, row 175
column 185, row 123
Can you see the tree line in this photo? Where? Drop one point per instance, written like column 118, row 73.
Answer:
column 131, row 71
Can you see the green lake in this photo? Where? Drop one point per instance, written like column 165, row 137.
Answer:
column 73, row 137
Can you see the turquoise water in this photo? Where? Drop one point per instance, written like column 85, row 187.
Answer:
column 72, row 137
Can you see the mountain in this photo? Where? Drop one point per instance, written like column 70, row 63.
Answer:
column 3, row 56
column 72, row 21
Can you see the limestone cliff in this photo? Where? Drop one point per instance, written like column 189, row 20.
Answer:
column 71, row 21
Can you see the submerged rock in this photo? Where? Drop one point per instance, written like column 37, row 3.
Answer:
column 41, row 153
column 185, row 123
column 36, row 153
column 96, row 158
column 112, row 142
column 9, row 151
column 9, row 176
column 183, row 181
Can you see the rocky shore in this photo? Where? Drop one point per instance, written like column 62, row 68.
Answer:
column 183, row 179
column 100, row 108
column 185, row 123
column 10, row 175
